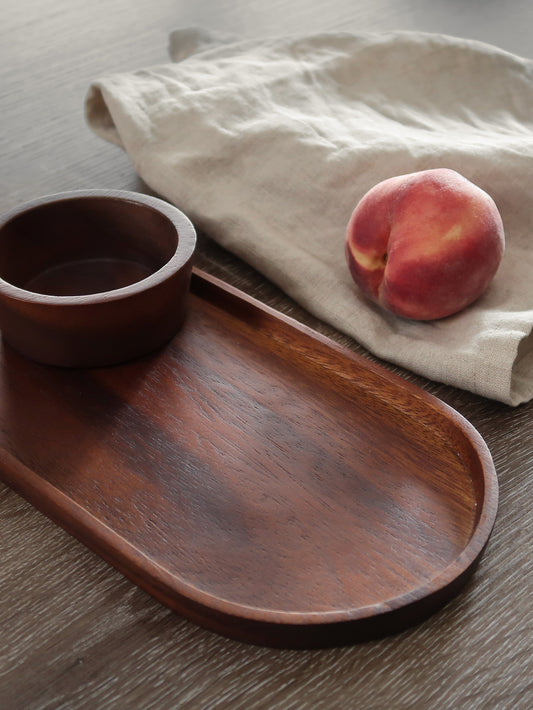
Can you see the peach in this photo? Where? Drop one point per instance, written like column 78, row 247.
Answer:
column 425, row 245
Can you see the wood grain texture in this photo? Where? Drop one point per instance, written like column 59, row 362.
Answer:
column 75, row 633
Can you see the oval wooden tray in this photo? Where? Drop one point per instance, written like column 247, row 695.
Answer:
column 256, row 477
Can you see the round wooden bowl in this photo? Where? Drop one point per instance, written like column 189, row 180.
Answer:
column 92, row 278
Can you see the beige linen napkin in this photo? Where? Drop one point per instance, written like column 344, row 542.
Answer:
column 269, row 144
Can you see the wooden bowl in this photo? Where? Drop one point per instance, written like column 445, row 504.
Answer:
column 93, row 278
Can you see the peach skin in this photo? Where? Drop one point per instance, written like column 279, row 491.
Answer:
column 425, row 245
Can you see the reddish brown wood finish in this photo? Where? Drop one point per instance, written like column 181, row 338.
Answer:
column 256, row 477
column 93, row 277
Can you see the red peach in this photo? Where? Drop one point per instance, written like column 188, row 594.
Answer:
column 425, row 245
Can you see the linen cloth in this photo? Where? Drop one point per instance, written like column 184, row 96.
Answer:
column 268, row 144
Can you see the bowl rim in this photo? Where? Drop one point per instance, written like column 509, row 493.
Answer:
column 182, row 255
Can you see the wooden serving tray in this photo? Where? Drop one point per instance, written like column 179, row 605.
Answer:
column 256, row 477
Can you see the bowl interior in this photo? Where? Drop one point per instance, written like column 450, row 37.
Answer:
column 85, row 245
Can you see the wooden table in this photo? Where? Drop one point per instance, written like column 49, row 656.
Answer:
column 73, row 632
